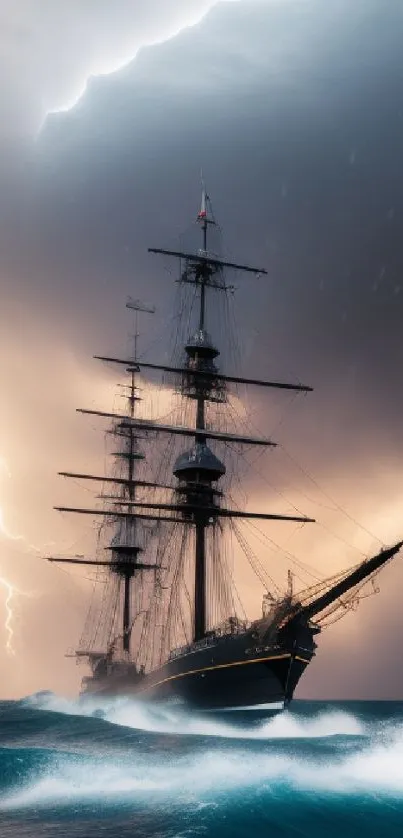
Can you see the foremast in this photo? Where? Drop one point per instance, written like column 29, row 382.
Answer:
column 125, row 546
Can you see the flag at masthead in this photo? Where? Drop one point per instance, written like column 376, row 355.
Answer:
column 203, row 207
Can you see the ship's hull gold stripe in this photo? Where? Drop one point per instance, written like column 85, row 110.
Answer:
column 303, row 660
column 217, row 666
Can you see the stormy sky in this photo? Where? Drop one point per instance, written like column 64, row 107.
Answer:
column 294, row 111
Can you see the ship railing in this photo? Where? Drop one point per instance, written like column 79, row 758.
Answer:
column 193, row 647
column 227, row 630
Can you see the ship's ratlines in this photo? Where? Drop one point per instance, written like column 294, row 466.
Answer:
column 166, row 622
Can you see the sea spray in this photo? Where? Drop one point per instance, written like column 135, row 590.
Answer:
column 164, row 719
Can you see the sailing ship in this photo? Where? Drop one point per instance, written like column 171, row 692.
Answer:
column 168, row 627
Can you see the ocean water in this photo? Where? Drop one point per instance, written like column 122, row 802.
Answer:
column 120, row 769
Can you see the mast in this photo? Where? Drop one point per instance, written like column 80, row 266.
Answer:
column 124, row 546
column 127, row 549
column 200, row 616
column 127, row 567
column 199, row 469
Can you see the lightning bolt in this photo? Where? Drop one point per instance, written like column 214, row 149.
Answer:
column 9, row 588
column 11, row 591
column 8, row 625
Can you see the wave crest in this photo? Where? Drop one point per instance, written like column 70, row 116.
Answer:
column 377, row 769
column 140, row 716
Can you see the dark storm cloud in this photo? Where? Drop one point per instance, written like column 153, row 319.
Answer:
column 295, row 114
column 293, row 110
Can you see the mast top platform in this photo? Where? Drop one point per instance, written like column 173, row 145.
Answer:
column 199, row 458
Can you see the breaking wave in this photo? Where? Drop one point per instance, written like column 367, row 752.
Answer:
column 139, row 716
column 379, row 769
column 314, row 765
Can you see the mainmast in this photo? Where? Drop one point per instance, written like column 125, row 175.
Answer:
column 202, row 356
column 198, row 470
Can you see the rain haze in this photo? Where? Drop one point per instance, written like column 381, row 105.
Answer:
column 293, row 110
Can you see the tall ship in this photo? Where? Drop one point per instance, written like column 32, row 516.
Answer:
column 166, row 622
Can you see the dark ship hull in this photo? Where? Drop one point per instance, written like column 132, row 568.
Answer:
column 226, row 674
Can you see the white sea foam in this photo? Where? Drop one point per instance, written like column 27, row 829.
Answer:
column 282, row 726
column 375, row 768
column 192, row 779
column 140, row 716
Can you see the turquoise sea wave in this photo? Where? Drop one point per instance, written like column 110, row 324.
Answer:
column 122, row 769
